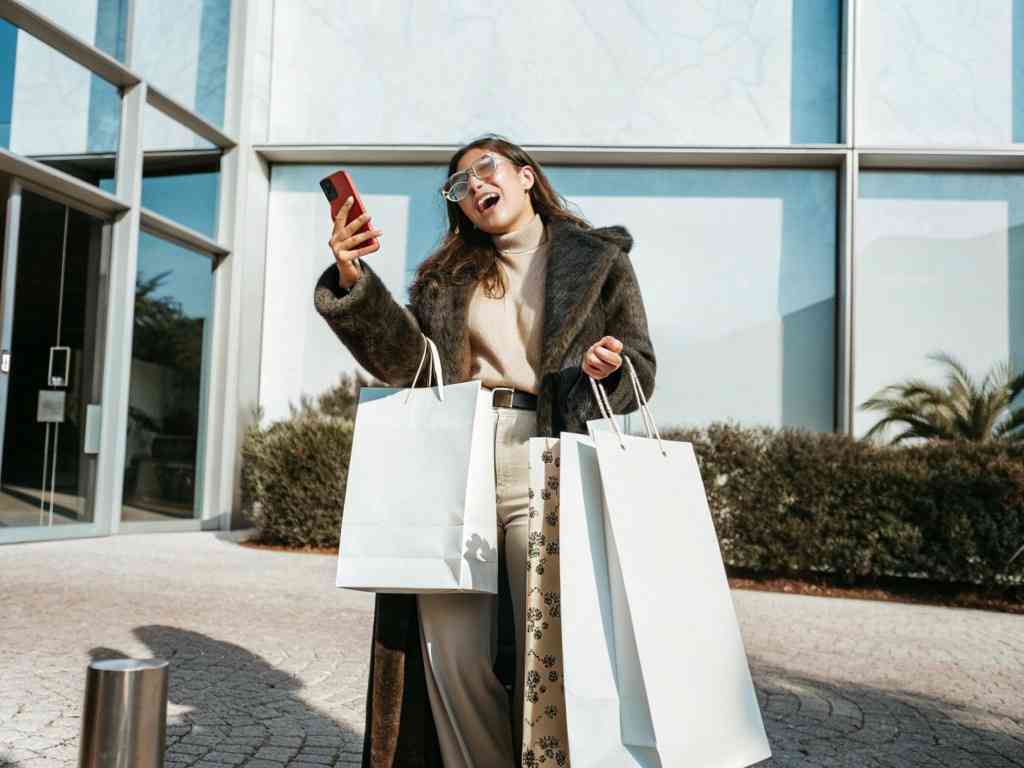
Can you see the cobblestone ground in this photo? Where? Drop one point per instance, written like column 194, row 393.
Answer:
column 268, row 661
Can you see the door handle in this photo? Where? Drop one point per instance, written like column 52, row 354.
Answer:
column 5, row 361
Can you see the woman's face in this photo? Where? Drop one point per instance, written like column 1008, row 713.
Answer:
column 501, row 203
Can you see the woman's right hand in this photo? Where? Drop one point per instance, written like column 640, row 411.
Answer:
column 345, row 244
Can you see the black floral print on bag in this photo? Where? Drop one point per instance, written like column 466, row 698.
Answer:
column 545, row 739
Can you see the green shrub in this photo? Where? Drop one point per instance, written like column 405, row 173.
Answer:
column 791, row 501
column 294, row 471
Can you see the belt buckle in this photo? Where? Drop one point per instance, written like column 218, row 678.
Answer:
column 496, row 400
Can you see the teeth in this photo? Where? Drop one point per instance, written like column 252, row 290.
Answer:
column 483, row 200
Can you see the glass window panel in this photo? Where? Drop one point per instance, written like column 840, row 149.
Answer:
column 738, row 273
column 299, row 352
column 170, row 347
column 737, row 269
column 941, row 72
column 161, row 133
column 686, row 72
column 182, row 49
column 184, row 189
column 939, row 268
column 187, row 198
column 55, row 110
column 102, row 23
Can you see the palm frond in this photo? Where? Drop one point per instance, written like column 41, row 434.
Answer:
column 962, row 408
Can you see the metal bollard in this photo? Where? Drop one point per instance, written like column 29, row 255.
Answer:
column 124, row 722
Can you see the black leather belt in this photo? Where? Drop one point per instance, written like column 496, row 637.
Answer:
column 506, row 397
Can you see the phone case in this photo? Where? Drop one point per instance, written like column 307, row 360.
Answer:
column 337, row 188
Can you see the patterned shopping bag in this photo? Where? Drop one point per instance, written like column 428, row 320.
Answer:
column 545, row 741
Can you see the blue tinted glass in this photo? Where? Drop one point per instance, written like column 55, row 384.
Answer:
column 939, row 268
column 189, row 199
column 737, row 268
column 55, row 109
column 181, row 48
column 738, row 273
column 8, row 54
column 170, row 343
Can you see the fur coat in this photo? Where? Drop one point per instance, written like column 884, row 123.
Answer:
column 590, row 291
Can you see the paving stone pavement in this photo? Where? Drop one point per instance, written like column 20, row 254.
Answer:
column 269, row 661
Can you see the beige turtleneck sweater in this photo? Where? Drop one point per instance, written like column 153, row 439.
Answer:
column 505, row 334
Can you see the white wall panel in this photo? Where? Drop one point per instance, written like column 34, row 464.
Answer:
column 555, row 73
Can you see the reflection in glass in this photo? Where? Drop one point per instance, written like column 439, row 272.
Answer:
column 297, row 356
column 173, row 303
column 182, row 49
column 738, row 273
column 940, row 72
column 55, row 367
column 161, row 133
column 635, row 73
column 100, row 22
column 737, row 269
column 174, row 188
column 187, row 198
column 939, row 266
column 55, row 110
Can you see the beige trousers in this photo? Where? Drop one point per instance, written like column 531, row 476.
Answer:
column 458, row 633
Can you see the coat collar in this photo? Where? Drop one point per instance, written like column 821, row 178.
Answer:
column 578, row 263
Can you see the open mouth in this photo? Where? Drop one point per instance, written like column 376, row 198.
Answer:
column 488, row 201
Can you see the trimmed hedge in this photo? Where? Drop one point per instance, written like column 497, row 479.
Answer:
column 784, row 501
column 294, row 471
column 791, row 501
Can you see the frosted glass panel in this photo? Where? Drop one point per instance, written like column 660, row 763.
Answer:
column 939, row 267
column 737, row 268
column 662, row 73
column 941, row 72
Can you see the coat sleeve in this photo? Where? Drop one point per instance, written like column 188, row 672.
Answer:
column 626, row 320
column 381, row 334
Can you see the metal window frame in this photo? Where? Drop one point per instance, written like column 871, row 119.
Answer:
column 246, row 164
column 127, row 219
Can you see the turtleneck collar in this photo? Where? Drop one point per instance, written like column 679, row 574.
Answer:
column 525, row 239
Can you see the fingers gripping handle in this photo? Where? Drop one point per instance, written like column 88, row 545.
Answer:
column 645, row 412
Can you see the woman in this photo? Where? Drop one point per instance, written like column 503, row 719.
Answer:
column 529, row 299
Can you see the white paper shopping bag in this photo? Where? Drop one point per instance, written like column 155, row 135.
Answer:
column 605, row 698
column 699, row 706
column 419, row 512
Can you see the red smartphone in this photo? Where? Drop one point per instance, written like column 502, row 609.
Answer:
column 337, row 188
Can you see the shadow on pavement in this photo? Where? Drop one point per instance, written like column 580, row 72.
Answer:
column 813, row 722
column 229, row 705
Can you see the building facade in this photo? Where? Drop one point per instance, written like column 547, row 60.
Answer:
column 821, row 194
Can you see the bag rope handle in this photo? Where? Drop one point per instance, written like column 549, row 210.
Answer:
column 605, row 407
column 434, row 366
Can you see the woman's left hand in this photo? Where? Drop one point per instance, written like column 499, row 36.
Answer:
column 603, row 358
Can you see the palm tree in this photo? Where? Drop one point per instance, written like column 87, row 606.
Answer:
column 964, row 409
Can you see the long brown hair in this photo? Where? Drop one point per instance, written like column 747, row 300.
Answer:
column 467, row 254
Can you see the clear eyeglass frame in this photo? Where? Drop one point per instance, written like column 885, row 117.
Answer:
column 456, row 187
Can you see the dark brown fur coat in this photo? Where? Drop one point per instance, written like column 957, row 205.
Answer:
column 590, row 291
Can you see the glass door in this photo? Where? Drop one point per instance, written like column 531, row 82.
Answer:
column 51, row 323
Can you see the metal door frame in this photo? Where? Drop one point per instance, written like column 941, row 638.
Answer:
column 100, row 523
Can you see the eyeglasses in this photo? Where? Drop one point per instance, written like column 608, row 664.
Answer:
column 457, row 186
